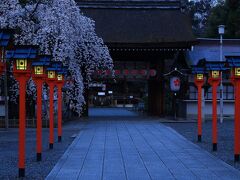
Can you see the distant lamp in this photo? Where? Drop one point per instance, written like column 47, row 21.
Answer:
column 237, row 72
column 215, row 74
column 60, row 77
column 221, row 29
column 21, row 64
column 39, row 67
column 38, row 70
column 199, row 76
column 51, row 74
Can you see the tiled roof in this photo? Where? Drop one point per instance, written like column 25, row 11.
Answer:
column 141, row 25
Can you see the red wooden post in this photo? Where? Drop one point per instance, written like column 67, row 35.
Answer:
column 200, row 111
column 199, row 81
column 39, row 76
column 214, row 83
column 214, row 116
column 59, row 85
column 51, row 81
column 234, row 63
column 236, row 83
column 39, row 84
column 22, row 56
column 22, row 123
column 51, row 114
column 237, row 121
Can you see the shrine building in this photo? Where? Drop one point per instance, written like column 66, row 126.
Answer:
column 148, row 40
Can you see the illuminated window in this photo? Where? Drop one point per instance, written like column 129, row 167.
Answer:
column 199, row 76
column 59, row 77
column 51, row 74
column 237, row 71
column 215, row 74
column 38, row 70
column 21, row 64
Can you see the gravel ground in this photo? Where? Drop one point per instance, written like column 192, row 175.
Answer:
column 34, row 170
column 225, row 138
column 39, row 170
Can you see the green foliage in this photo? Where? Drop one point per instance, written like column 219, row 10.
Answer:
column 227, row 13
column 199, row 12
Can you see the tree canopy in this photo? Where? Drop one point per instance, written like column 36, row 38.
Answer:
column 60, row 29
column 207, row 15
column 228, row 14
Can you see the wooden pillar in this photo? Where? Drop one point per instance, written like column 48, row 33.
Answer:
column 156, row 90
column 85, row 106
column 155, row 97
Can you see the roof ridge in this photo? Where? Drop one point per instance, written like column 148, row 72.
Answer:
column 143, row 4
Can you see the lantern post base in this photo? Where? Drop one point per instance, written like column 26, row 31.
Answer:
column 39, row 156
column 236, row 158
column 59, row 138
column 21, row 172
column 50, row 146
column 214, row 147
column 199, row 138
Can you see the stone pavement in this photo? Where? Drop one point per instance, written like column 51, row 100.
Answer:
column 111, row 112
column 137, row 150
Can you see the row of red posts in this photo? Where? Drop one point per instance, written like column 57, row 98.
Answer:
column 215, row 70
column 28, row 63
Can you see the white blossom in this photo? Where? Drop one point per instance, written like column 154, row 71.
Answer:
column 59, row 28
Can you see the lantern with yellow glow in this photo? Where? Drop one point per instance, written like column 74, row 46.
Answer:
column 54, row 72
column 51, row 74
column 199, row 76
column 215, row 69
column 39, row 67
column 233, row 63
column 215, row 74
column 198, row 73
column 237, row 72
column 38, row 70
column 22, row 57
column 5, row 39
column 60, row 74
column 21, row 64
column 59, row 77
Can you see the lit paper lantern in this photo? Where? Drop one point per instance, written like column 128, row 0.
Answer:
column 152, row 72
column 175, row 84
column 108, row 72
column 126, row 72
column 117, row 72
column 134, row 72
column 143, row 72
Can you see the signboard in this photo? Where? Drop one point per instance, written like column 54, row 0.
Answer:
column 120, row 73
column 175, row 84
column 101, row 93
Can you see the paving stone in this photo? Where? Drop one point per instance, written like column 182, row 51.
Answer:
column 135, row 150
column 114, row 176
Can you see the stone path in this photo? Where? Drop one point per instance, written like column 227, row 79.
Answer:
column 111, row 112
column 137, row 150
